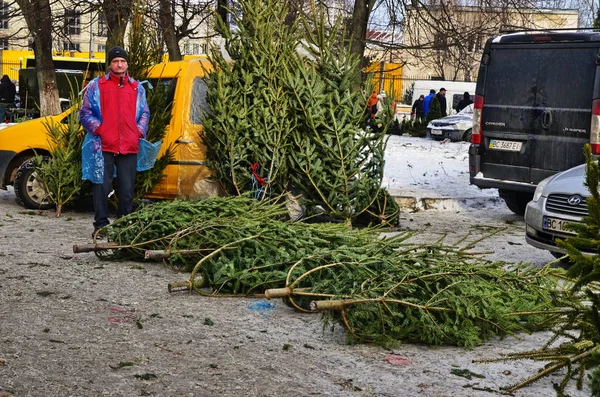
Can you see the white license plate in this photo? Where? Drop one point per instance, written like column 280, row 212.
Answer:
column 505, row 145
column 556, row 224
column 436, row 132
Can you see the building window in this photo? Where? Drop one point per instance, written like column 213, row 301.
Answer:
column 101, row 48
column 102, row 26
column 440, row 41
column 475, row 42
column 205, row 48
column 193, row 49
column 72, row 23
column 3, row 43
column 4, row 15
column 70, row 46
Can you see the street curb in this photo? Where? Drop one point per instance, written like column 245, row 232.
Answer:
column 444, row 203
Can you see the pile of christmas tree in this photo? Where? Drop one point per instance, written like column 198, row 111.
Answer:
column 383, row 290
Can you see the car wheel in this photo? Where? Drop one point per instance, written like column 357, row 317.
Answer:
column 515, row 201
column 29, row 190
column 564, row 263
column 467, row 135
column 455, row 136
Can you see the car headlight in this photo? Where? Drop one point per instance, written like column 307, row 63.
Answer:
column 538, row 190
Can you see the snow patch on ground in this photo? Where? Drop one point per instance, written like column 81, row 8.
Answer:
column 424, row 168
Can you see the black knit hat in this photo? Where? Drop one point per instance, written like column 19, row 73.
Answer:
column 117, row 52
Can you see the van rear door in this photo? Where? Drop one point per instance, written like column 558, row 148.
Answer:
column 537, row 110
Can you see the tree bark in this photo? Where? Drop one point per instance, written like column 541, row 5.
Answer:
column 222, row 9
column 358, row 31
column 293, row 11
column 167, row 25
column 38, row 17
column 222, row 22
column 117, row 13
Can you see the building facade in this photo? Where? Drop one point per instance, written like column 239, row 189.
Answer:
column 446, row 43
column 81, row 34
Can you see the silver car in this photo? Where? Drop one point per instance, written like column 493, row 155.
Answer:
column 457, row 127
column 557, row 201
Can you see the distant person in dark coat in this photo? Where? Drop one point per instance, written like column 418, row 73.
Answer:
column 8, row 91
column 441, row 96
column 417, row 111
column 427, row 101
column 466, row 101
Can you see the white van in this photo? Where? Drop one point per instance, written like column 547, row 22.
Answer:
column 454, row 91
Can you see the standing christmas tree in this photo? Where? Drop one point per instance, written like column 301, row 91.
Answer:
column 284, row 117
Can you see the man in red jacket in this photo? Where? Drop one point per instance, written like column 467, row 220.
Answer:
column 114, row 108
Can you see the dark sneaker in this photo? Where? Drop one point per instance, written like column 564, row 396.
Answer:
column 96, row 234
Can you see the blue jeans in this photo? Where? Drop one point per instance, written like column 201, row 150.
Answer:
column 3, row 107
column 126, row 171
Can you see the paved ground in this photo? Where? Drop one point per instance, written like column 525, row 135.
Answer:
column 72, row 325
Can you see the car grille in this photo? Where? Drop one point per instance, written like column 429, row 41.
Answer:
column 558, row 203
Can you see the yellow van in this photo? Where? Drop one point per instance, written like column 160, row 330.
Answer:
column 186, row 176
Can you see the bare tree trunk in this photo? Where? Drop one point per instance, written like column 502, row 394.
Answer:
column 293, row 11
column 358, row 30
column 49, row 99
column 222, row 25
column 222, row 9
column 38, row 17
column 358, row 27
column 117, row 13
column 167, row 25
